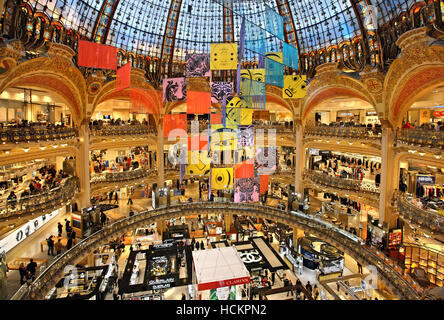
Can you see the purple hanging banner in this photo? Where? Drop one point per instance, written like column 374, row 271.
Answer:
column 238, row 79
column 261, row 62
column 242, row 40
column 224, row 111
column 182, row 172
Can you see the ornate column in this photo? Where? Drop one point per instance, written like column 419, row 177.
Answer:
column 300, row 155
column 82, row 166
column 228, row 219
column 160, row 160
column 389, row 174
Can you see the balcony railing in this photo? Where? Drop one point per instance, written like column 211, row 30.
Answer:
column 39, row 202
column 355, row 133
column 110, row 177
column 36, row 134
column 119, row 130
column 401, row 285
column 421, row 138
column 426, row 218
column 341, row 183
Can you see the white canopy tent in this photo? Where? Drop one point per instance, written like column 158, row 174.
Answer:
column 220, row 267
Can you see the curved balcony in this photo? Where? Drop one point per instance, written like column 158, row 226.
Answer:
column 40, row 203
column 422, row 138
column 425, row 218
column 352, row 133
column 401, row 284
column 355, row 189
column 36, row 134
column 122, row 130
column 115, row 177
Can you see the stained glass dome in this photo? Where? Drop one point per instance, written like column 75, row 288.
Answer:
column 149, row 26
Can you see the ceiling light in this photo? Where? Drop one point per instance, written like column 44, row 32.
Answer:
column 26, row 150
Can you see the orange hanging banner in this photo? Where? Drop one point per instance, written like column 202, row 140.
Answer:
column 123, row 77
column 174, row 121
column 244, row 170
column 95, row 55
column 215, row 118
column 198, row 102
column 264, row 181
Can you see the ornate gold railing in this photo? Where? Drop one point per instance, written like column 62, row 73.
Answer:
column 356, row 133
column 114, row 177
column 36, row 134
column 401, row 285
column 40, row 202
column 421, row 137
column 119, row 130
column 425, row 218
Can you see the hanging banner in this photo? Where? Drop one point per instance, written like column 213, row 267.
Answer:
column 174, row 121
column 221, row 89
column 198, row 65
column 198, row 143
column 216, row 118
column 199, row 163
column 245, row 136
column 222, row 178
column 95, row 55
column 246, row 190
column 274, row 69
column 223, row 56
column 294, row 87
column 123, row 77
column 255, row 38
column 274, row 23
column 239, row 116
column 264, row 181
column 174, row 89
column 244, row 170
column 198, row 102
column 290, row 56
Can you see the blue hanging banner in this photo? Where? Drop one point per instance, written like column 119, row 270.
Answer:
column 291, row 57
column 274, row 73
column 255, row 38
column 274, row 23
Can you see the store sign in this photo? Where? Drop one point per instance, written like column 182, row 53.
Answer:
column 223, row 283
column 371, row 113
column 313, row 152
column 345, row 114
column 161, row 283
column 163, row 245
column 438, row 114
column 426, row 179
column 10, row 241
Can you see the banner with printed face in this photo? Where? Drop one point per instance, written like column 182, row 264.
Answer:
column 223, row 56
column 295, row 87
column 246, row 190
column 174, row 89
column 199, row 163
column 274, row 69
column 223, row 138
column 239, row 116
column 222, row 178
column 219, row 90
column 198, row 65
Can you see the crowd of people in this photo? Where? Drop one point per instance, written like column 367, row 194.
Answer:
column 439, row 126
column 97, row 124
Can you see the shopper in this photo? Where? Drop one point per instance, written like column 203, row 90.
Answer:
column 309, row 287
column 130, row 201
column 29, row 278
column 102, row 218
column 60, row 228
column 67, row 226
column 202, row 246
column 184, row 297
column 197, row 245
column 359, row 267
column 50, row 246
column 69, row 243
column 273, row 277
column 32, row 267
column 22, row 271
column 116, row 198
column 315, row 292
column 298, row 289
column 110, row 195
column 58, row 247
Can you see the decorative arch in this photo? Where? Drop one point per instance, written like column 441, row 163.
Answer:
column 55, row 74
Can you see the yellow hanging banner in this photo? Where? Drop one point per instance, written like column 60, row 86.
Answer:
column 223, row 56
column 294, row 87
column 222, row 178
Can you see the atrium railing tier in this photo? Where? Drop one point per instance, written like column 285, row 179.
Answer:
column 340, row 183
column 111, row 177
column 355, row 133
column 425, row 218
column 41, row 202
column 119, row 130
column 400, row 284
column 36, row 134
column 422, row 138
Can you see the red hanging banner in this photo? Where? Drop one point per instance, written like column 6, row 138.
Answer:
column 264, row 181
column 198, row 102
column 215, row 118
column 244, row 170
column 174, row 121
column 95, row 55
column 123, row 77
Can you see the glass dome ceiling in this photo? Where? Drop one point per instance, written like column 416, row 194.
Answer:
column 140, row 26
